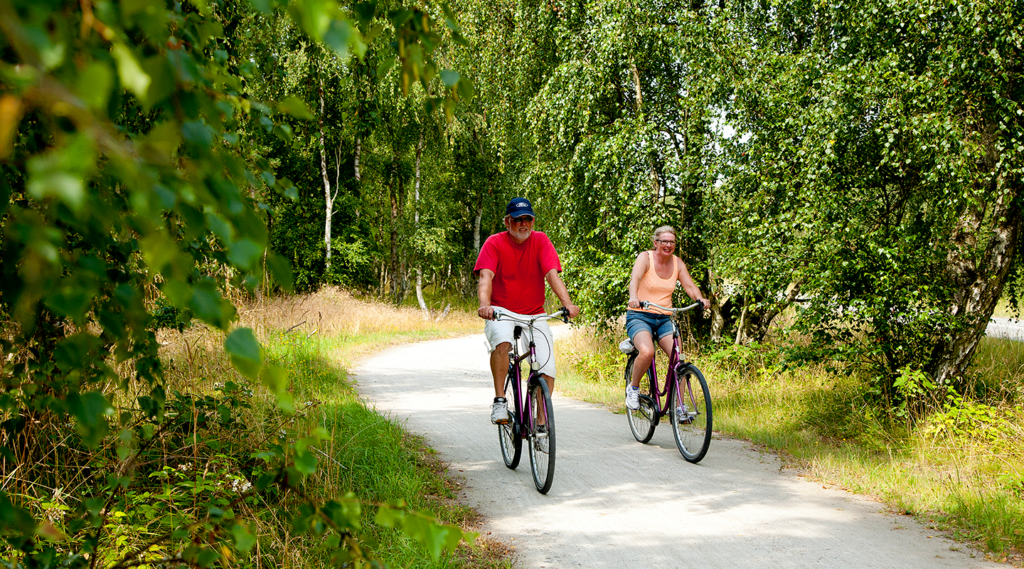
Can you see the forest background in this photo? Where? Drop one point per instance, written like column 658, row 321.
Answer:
column 855, row 169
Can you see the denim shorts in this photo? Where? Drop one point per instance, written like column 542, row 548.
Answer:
column 659, row 325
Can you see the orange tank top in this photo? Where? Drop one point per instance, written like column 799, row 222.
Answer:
column 653, row 288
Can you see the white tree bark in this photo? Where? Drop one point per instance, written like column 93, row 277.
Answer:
column 328, row 198
column 416, row 221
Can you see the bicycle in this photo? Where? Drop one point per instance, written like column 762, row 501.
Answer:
column 687, row 398
column 531, row 419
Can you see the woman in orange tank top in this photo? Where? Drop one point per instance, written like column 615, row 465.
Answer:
column 655, row 274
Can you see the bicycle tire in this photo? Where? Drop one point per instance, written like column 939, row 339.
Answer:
column 693, row 432
column 642, row 421
column 508, row 434
column 538, row 404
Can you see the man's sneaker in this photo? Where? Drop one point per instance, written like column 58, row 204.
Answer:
column 683, row 416
column 632, row 397
column 541, row 440
column 499, row 411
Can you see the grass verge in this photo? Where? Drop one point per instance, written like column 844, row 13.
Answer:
column 960, row 470
column 317, row 338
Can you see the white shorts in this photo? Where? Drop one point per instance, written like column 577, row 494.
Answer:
column 501, row 331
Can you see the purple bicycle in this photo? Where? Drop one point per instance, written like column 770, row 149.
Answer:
column 687, row 402
column 531, row 418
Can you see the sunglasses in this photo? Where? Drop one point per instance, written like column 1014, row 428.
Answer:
column 522, row 219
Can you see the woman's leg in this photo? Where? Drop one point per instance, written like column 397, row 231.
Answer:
column 666, row 344
column 644, row 344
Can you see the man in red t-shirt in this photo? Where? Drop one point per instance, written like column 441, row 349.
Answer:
column 513, row 266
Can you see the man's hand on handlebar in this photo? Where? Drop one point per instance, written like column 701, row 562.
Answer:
column 573, row 310
column 485, row 312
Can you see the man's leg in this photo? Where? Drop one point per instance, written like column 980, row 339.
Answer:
column 499, row 367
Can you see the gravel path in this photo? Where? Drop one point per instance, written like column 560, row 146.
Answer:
column 617, row 503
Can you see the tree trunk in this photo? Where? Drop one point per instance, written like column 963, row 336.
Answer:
column 328, row 198
column 979, row 280
column 358, row 175
column 395, row 275
column 476, row 223
column 655, row 178
column 416, row 220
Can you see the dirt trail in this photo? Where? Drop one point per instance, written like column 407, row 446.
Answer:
column 617, row 503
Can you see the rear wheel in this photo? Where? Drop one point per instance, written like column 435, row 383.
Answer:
column 540, row 416
column 508, row 438
column 691, row 413
column 643, row 420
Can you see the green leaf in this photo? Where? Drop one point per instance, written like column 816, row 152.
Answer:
column 94, row 84
column 62, row 172
column 450, row 78
column 306, row 462
column 131, row 73
column 245, row 352
column 243, row 537
column 296, row 107
column 90, row 411
column 245, row 254
column 281, row 269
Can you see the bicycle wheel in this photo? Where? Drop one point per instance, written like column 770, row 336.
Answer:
column 508, row 434
column 692, row 428
column 542, row 442
column 643, row 420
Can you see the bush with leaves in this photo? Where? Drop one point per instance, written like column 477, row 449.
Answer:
column 122, row 184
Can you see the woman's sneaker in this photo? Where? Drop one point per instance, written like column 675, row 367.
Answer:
column 683, row 416
column 499, row 411
column 632, row 397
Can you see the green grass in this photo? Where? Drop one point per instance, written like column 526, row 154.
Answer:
column 369, row 454
column 364, row 453
column 960, row 470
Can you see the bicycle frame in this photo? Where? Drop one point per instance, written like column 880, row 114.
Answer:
column 671, row 378
column 514, row 362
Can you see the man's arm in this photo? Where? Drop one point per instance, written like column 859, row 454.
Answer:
column 483, row 293
column 558, row 287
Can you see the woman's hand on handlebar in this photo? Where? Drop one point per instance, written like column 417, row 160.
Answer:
column 633, row 303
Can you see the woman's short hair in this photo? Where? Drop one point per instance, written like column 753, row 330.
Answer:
column 663, row 229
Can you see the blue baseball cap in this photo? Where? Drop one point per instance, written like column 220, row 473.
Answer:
column 518, row 207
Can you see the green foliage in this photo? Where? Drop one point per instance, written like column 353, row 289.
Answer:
column 136, row 194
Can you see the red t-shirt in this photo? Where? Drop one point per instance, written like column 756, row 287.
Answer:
column 519, row 270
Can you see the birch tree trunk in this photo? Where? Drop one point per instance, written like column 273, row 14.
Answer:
column 416, row 224
column 979, row 279
column 328, row 198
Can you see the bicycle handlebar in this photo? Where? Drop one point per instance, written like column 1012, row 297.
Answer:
column 502, row 314
column 646, row 304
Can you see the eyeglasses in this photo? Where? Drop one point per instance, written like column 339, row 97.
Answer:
column 522, row 219
column 669, row 243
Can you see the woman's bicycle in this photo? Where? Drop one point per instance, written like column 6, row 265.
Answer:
column 687, row 398
column 531, row 418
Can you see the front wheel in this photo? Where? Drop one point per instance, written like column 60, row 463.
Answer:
column 508, row 434
column 643, row 420
column 691, row 413
column 541, row 438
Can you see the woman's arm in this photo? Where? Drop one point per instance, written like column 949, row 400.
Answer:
column 689, row 286
column 639, row 268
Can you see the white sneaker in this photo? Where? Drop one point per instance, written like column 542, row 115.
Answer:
column 541, row 440
column 632, row 397
column 499, row 412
